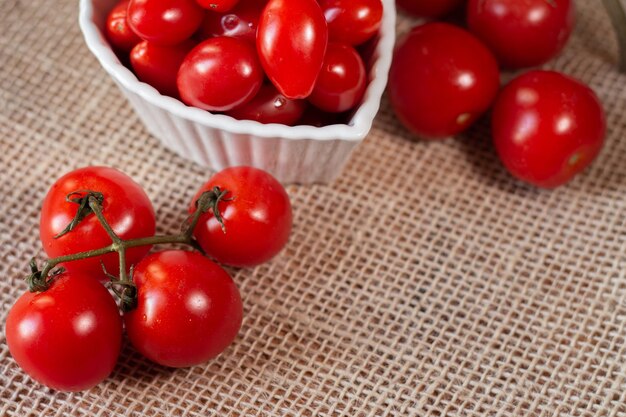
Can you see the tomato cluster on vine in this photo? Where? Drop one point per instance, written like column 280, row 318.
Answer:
column 180, row 308
column 547, row 127
column 272, row 61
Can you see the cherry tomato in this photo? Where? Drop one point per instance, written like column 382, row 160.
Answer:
column 547, row 127
column 165, row 22
column 341, row 84
column 188, row 309
column 126, row 208
column 158, row 65
column 291, row 41
column 117, row 30
column 256, row 214
column 442, row 79
column 522, row 33
column 429, row 8
column 220, row 74
column 240, row 22
column 219, row 6
column 269, row 106
column 352, row 21
column 67, row 337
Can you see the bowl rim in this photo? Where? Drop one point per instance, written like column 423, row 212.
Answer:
column 358, row 128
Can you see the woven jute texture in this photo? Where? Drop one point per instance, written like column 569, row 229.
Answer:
column 425, row 281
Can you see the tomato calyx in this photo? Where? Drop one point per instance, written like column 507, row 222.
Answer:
column 82, row 199
column 36, row 281
column 91, row 202
column 211, row 202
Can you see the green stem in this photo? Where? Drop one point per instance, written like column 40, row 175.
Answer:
column 618, row 18
column 40, row 280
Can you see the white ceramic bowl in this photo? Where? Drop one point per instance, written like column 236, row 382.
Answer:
column 299, row 154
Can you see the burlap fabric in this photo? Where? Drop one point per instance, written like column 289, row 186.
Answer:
column 425, row 281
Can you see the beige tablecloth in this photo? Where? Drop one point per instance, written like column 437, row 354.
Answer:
column 425, row 281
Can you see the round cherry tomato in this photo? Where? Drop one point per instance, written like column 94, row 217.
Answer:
column 352, row 21
column 220, row 74
column 188, row 309
column 256, row 214
column 291, row 41
column 269, row 106
column 240, row 22
column 547, row 127
column 522, row 33
column 442, row 80
column 342, row 82
column 165, row 22
column 219, row 6
column 117, row 30
column 429, row 8
column 126, row 208
column 158, row 65
column 67, row 337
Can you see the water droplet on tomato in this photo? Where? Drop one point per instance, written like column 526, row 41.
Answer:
column 279, row 102
column 230, row 22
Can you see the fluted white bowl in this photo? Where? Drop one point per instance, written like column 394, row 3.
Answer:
column 293, row 154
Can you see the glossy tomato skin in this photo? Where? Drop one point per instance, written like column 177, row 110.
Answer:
column 442, row 80
column 291, row 41
column 522, row 33
column 240, row 22
column 220, row 74
column 547, row 128
column 352, row 21
column 429, row 8
column 117, row 29
column 219, row 6
column 165, row 22
column 126, row 207
column 68, row 337
column 342, row 81
column 188, row 309
column 257, row 218
column 270, row 106
column 158, row 65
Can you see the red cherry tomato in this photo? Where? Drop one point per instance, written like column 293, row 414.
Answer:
column 269, row 106
column 165, row 22
column 220, row 74
column 219, row 6
column 429, row 8
column 126, row 208
column 240, row 22
column 117, row 30
column 291, row 41
column 341, row 84
column 188, row 309
column 68, row 337
column 442, row 80
column 158, row 65
column 256, row 214
column 547, row 127
column 522, row 33
column 352, row 21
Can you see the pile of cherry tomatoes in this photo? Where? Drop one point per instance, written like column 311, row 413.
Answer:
column 546, row 126
column 216, row 54
column 185, row 309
